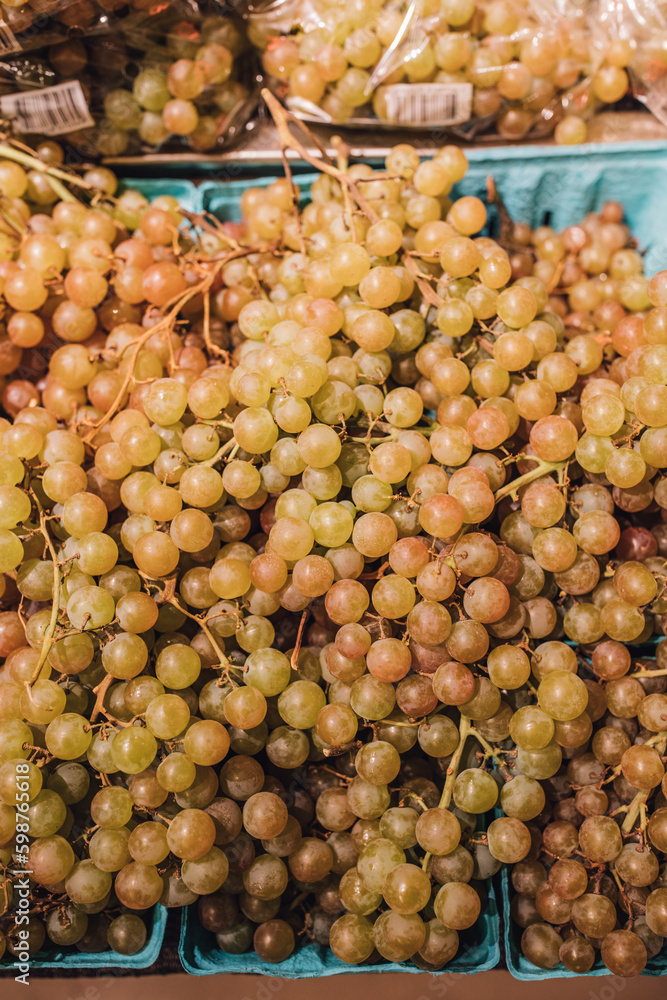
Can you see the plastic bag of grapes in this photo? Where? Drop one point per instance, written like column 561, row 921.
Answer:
column 505, row 69
column 29, row 24
column 638, row 29
column 167, row 81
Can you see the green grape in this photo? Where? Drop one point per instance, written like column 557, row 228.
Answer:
column 438, row 831
column 138, row 886
column 398, row 936
column 133, row 750
column 51, row 859
column 86, row 883
column 475, row 791
column 457, row 905
column 351, row 938
column 66, row 925
column 68, row 736
column 375, row 862
column 109, row 849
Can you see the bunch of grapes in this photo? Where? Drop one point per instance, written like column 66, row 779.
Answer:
column 184, row 82
column 530, row 71
column 593, row 879
column 323, row 536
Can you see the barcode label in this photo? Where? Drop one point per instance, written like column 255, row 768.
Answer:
column 428, row 103
column 8, row 40
column 51, row 111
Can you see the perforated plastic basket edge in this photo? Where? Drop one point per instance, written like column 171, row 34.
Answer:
column 521, row 968
column 539, row 185
column 187, row 193
column 313, row 961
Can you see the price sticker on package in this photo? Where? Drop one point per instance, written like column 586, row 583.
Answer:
column 428, row 103
column 50, row 111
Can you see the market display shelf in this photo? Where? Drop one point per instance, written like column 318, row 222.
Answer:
column 259, row 148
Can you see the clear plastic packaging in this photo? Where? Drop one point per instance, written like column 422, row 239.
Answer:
column 175, row 79
column 508, row 69
column 29, row 24
column 637, row 31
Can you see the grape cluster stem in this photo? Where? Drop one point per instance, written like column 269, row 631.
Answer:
column 542, row 468
column 49, row 634
column 446, row 797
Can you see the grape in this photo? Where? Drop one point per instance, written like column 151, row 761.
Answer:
column 68, row 736
column 593, row 914
column 191, row 834
column 127, row 934
column 109, row 849
column 111, row 807
column 274, row 940
column 541, row 945
column 398, row 936
column 86, row 883
column 656, row 911
column 438, row 831
column 475, row 791
column 509, row 839
column 351, row 938
column 375, row 862
column 133, row 750
column 440, row 944
column 457, row 905
column 66, row 926
column 264, row 815
column 138, row 886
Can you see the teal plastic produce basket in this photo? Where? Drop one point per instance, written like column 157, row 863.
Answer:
column 555, row 185
column 521, row 968
column 223, row 198
column 187, row 193
column 479, row 951
column 71, row 958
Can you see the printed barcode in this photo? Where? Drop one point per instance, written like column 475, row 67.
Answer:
column 51, row 111
column 428, row 103
column 8, row 40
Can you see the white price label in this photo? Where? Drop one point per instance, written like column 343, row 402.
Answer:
column 428, row 103
column 51, row 111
